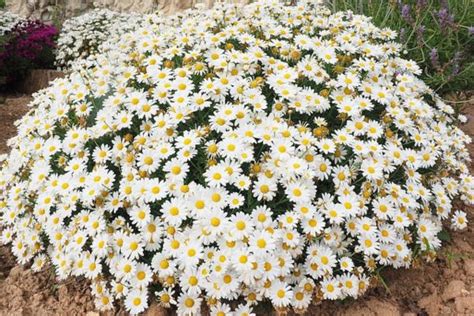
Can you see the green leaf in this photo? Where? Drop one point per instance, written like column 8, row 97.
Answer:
column 444, row 235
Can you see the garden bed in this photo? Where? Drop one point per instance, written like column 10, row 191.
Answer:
column 317, row 162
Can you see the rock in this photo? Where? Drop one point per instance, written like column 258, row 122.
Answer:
column 454, row 289
column 63, row 293
column 110, row 313
column 431, row 304
column 446, row 310
column 464, row 305
column 144, row 6
column 469, row 266
column 19, row 7
column 38, row 297
column 382, row 308
column 47, row 10
column 51, row 301
column 431, row 288
column 16, row 272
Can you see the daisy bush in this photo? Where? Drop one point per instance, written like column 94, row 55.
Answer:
column 235, row 156
column 82, row 36
column 8, row 21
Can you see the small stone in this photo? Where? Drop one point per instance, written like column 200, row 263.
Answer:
column 155, row 310
column 110, row 313
column 446, row 310
column 62, row 291
column 83, row 299
column 38, row 297
column 454, row 289
column 381, row 307
column 16, row 272
column 431, row 304
column 469, row 266
column 464, row 305
column 431, row 288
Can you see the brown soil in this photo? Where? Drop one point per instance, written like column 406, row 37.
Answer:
column 10, row 111
column 445, row 287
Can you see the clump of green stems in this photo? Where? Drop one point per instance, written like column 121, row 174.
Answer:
column 437, row 34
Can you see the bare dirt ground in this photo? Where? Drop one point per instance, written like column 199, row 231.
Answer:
column 444, row 287
column 13, row 109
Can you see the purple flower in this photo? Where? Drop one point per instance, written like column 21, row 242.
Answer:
column 406, row 13
column 434, row 58
column 420, row 31
column 445, row 19
column 421, row 4
column 456, row 64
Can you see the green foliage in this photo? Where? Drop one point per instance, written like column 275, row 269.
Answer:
column 451, row 257
column 437, row 34
column 444, row 235
column 58, row 15
column 2, row 4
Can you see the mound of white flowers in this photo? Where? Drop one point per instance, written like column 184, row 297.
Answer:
column 84, row 35
column 8, row 21
column 233, row 156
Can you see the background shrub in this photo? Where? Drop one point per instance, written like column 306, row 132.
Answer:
column 83, row 36
column 8, row 21
column 28, row 45
column 437, row 34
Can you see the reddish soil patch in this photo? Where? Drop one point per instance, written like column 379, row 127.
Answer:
column 10, row 111
column 445, row 287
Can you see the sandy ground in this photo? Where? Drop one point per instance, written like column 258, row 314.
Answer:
column 445, row 287
column 13, row 109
